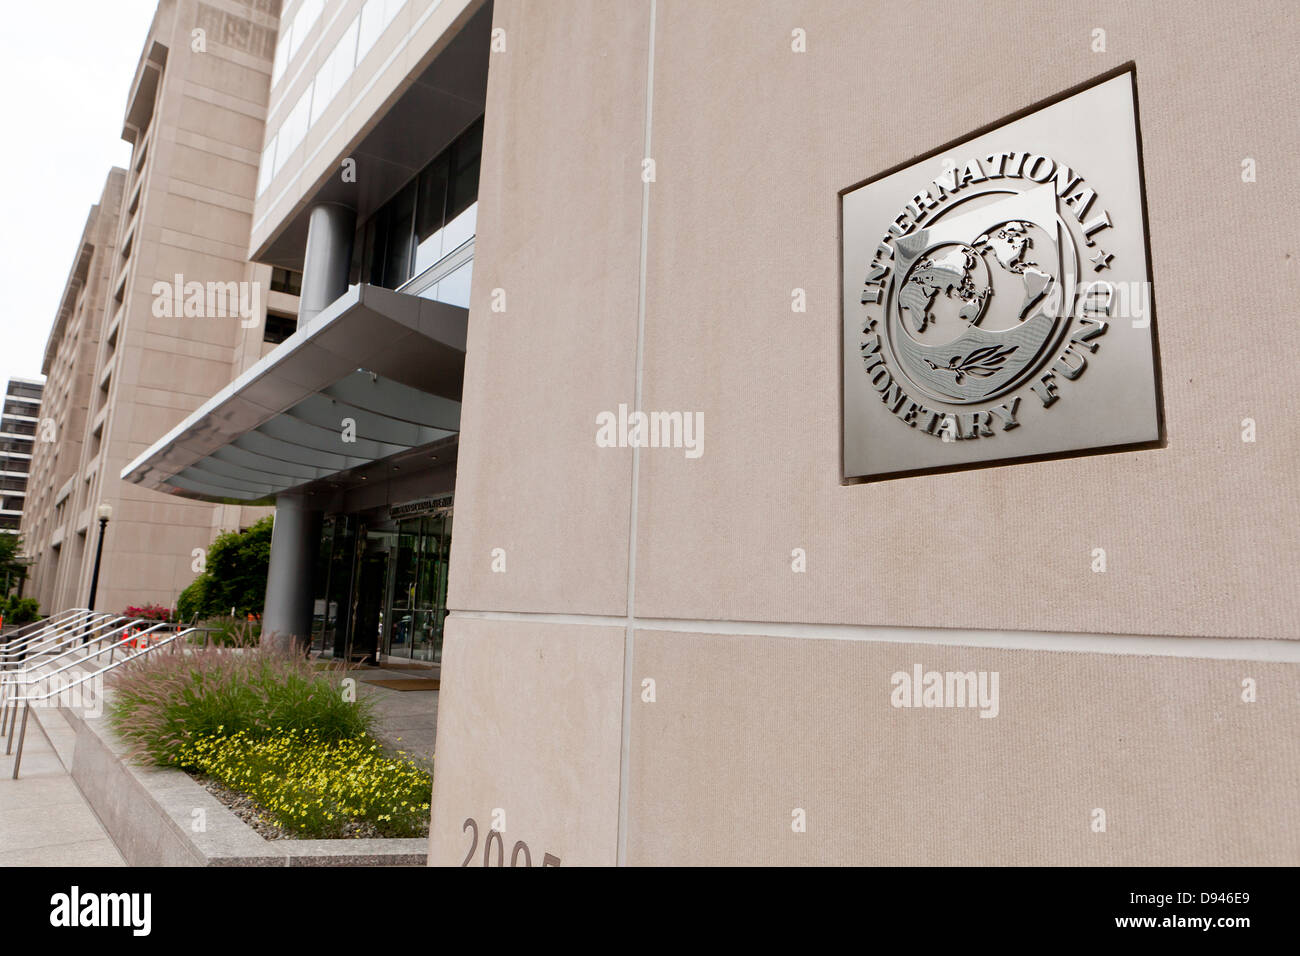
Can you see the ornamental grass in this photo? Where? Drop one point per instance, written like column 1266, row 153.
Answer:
column 165, row 702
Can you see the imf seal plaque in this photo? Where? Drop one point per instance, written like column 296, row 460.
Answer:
column 997, row 296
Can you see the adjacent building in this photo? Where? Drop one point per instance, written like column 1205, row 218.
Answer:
column 515, row 222
column 19, row 422
column 160, row 310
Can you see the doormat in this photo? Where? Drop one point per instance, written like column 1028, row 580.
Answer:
column 398, row 665
column 405, row 683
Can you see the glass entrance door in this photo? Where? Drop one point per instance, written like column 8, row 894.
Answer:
column 433, row 587
column 369, row 593
column 418, row 583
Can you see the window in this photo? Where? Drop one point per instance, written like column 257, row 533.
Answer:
column 432, row 212
column 265, row 167
column 281, row 55
column 292, row 131
column 23, row 390
column 278, row 327
column 332, row 76
column 287, row 281
column 375, row 17
column 428, row 219
column 293, row 34
column 303, row 21
column 334, row 72
column 452, row 288
column 400, row 220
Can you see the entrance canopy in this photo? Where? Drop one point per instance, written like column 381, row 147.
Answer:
column 374, row 375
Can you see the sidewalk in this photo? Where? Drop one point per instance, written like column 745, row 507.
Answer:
column 44, row 820
column 405, row 719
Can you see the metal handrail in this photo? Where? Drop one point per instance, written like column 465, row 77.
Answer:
column 82, row 631
column 20, row 675
column 14, row 678
column 60, row 637
column 10, row 680
column 29, row 699
column 61, row 646
column 18, row 647
column 35, row 643
column 45, row 621
column 25, row 675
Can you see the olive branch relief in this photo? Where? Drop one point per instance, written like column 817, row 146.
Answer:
column 980, row 363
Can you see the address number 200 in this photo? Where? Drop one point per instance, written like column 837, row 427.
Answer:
column 494, row 836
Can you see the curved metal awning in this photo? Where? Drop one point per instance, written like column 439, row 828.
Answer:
column 376, row 374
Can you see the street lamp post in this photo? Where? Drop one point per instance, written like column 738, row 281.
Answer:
column 105, row 512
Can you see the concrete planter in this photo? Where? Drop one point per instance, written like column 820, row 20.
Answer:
column 162, row 817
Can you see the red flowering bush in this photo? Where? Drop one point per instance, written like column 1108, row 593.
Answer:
column 151, row 612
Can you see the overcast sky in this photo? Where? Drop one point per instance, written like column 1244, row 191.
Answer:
column 65, row 67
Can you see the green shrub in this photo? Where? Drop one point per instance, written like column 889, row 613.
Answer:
column 193, row 600
column 16, row 610
column 235, row 575
column 317, row 787
column 164, row 702
column 237, row 563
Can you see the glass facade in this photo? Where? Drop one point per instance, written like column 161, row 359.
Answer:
column 432, row 217
column 357, row 39
column 381, row 575
column 381, row 585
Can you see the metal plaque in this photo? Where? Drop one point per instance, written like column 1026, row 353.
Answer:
column 997, row 296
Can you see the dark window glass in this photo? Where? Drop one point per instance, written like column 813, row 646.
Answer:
column 467, row 153
column 371, row 250
column 278, row 327
column 420, row 224
column 286, row 280
column 433, row 199
column 401, row 222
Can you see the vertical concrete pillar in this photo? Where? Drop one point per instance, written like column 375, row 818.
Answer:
column 328, row 258
column 287, row 614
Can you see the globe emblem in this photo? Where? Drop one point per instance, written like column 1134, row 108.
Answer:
column 949, row 289
column 979, row 297
column 945, row 292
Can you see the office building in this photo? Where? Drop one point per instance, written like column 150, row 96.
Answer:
column 18, row 427
column 133, row 347
column 721, row 646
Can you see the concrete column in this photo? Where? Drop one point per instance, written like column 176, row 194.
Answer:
column 328, row 259
column 286, row 616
